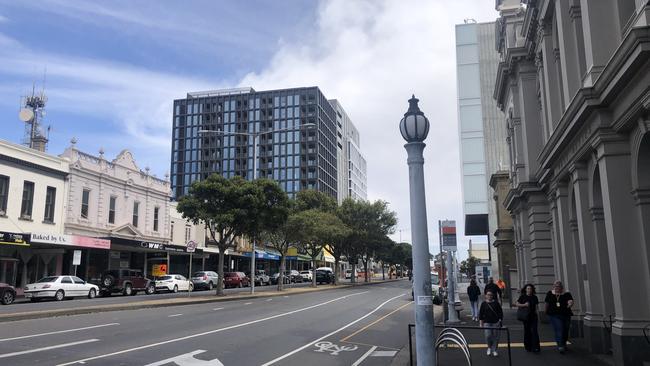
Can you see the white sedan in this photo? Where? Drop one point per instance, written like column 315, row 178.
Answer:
column 59, row 288
column 174, row 283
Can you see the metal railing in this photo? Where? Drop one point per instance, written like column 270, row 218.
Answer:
column 453, row 335
column 608, row 323
column 646, row 333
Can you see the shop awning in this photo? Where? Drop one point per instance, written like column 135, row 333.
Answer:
column 299, row 257
column 262, row 254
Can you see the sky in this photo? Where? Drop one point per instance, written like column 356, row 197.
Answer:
column 111, row 69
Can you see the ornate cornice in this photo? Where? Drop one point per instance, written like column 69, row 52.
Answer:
column 575, row 12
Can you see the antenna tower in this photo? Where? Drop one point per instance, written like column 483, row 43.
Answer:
column 32, row 113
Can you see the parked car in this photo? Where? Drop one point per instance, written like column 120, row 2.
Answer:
column 306, row 275
column 7, row 294
column 235, row 279
column 59, row 288
column 275, row 276
column 173, row 283
column 205, row 279
column 261, row 278
column 324, row 277
column 124, row 281
column 294, row 276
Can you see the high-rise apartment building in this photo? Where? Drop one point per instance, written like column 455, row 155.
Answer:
column 298, row 150
column 350, row 161
column 482, row 130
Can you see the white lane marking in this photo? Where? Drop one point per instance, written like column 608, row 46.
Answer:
column 6, row 355
column 188, row 360
column 247, row 303
column 285, row 296
column 365, row 355
column 383, row 354
column 58, row 332
column 174, row 315
column 210, row 331
column 331, row 333
column 215, row 309
column 269, row 299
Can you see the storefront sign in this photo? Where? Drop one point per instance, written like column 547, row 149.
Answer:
column 71, row 240
column 14, row 238
column 159, row 270
column 163, row 247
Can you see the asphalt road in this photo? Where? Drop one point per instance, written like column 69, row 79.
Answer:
column 21, row 304
column 351, row 326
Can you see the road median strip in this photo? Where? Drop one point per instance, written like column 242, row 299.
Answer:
column 172, row 302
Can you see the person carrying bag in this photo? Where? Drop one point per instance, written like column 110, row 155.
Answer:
column 527, row 313
column 558, row 308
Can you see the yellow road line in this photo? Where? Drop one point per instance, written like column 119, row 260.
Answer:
column 375, row 322
column 505, row 345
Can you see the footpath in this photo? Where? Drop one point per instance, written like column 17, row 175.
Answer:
column 549, row 355
column 23, row 315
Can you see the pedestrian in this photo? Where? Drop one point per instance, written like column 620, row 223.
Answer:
column 558, row 308
column 492, row 287
column 490, row 317
column 410, row 276
column 473, row 292
column 527, row 303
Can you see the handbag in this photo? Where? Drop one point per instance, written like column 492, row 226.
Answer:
column 523, row 314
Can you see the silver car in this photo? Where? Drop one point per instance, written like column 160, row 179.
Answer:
column 205, row 280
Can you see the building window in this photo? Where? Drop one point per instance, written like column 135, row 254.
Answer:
column 4, row 194
column 50, row 199
column 188, row 231
column 136, row 208
column 171, row 231
column 28, row 200
column 155, row 218
column 111, row 210
column 85, row 199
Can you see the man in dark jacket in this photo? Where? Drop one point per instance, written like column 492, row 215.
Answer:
column 492, row 287
column 473, row 292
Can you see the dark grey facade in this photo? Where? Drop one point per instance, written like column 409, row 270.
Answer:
column 297, row 158
column 574, row 83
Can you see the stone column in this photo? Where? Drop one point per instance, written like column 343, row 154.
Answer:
column 628, row 259
column 595, row 274
column 568, row 247
column 569, row 48
column 541, row 252
column 601, row 36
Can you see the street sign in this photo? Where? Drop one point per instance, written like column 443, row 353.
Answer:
column 191, row 246
column 159, row 270
column 448, row 228
column 76, row 258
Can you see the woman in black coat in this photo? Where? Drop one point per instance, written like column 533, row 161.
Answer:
column 528, row 300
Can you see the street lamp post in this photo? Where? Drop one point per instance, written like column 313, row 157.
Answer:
column 256, row 136
column 414, row 128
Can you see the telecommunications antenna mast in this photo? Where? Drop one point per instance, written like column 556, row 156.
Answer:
column 32, row 112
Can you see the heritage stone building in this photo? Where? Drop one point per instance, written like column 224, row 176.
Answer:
column 574, row 84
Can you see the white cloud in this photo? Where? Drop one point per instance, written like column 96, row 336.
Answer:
column 371, row 56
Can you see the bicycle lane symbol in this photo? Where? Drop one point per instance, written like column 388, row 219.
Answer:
column 333, row 349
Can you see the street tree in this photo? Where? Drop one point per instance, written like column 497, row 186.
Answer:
column 269, row 209
column 468, row 266
column 224, row 206
column 369, row 223
column 316, row 229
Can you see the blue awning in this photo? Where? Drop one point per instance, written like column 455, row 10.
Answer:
column 261, row 254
